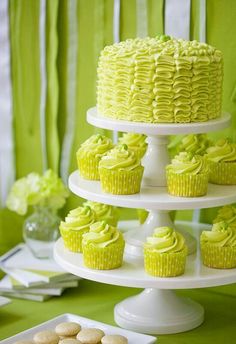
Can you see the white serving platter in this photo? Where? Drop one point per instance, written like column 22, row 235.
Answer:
column 133, row 337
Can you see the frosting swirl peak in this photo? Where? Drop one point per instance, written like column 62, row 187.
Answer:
column 166, row 240
column 120, row 158
column 222, row 151
column 221, row 235
column 186, row 163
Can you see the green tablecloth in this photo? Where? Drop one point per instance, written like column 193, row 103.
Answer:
column 96, row 301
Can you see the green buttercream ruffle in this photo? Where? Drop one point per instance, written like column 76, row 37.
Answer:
column 160, row 80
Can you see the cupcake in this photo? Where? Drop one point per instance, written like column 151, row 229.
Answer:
column 165, row 253
column 75, row 225
column 222, row 162
column 120, row 171
column 90, row 153
column 104, row 212
column 227, row 214
column 194, row 144
column 187, row 175
column 135, row 142
column 218, row 246
column 103, row 247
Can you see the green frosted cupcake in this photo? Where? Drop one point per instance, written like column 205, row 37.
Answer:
column 165, row 253
column 104, row 212
column 135, row 142
column 103, row 247
column 75, row 225
column 222, row 163
column 218, row 246
column 187, row 175
column 196, row 144
column 90, row 153
column 227, row 214
column 120, row 171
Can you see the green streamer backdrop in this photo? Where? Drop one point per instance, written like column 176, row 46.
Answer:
column 95, row 30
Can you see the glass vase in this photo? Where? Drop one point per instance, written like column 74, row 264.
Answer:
column 41, row 230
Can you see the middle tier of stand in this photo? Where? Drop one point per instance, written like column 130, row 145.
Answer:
column 152, row 197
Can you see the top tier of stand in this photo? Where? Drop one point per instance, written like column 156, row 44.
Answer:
column 96, row 119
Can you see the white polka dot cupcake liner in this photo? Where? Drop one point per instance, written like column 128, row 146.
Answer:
column 121, row 182
column 223, row 173
column 187, row 185
column 218, row 257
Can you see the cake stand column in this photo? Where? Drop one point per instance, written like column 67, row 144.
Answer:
column 158, row 311
column 155, row 161
column 136, row 238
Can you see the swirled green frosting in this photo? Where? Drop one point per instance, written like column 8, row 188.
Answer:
column 102, row 235
column 97, row 145
column 160, row 79
column 195, row 144
column 134, row 141
column 222, row 151
column 78, row 219
column 120, row 158
column 166, row 240
column 227, row 214
column 221, row 235
column 104, row 212
column 186, row 163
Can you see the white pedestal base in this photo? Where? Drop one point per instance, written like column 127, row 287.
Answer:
column 158, row 311
column 157, row 218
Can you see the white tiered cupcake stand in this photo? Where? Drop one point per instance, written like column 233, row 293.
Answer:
column 156, row 310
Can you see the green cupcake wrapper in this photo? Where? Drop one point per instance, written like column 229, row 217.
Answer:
column 164, row 264
column 106, row 258
column 73, row 239
column 223, row 173
column 121, row 182
column 88, row 166
column 187, row 185
column 218, row 257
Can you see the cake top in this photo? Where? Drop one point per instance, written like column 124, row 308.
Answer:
column 160, row 45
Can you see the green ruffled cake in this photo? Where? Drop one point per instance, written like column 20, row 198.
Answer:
column 103, row 247
column 135, row 142
column 218, row 246
column 76, row 223
column 222, row 162
column 120, row 171
column 90, row 153
column 187, row 175
column 160, row 80
column 165, row 253
column 104, row 212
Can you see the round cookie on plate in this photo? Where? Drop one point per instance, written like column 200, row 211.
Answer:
column 46, row 337
column 68, row 329
column 114, row 339
column 90, row 335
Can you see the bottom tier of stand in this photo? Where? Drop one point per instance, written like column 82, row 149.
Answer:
column 158, row 309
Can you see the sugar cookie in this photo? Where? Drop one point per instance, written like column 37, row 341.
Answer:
column 46, row 337
column 114, row 339
column 90, row 335
column 67, row 329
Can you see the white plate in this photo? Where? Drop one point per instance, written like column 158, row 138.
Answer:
column 4, row 301
column 133, row 338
